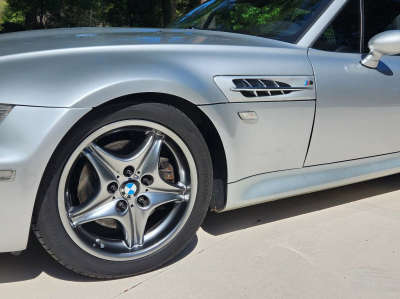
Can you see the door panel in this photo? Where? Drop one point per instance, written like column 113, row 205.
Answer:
column 358, row 109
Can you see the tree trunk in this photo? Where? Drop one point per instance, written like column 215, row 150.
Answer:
column 31, row 19
column 169, row 11
column 41, row 16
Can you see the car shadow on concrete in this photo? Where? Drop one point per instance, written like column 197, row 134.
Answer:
column 262, row 214
column 35, row 260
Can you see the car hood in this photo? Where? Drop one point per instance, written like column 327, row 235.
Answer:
column 56, row 39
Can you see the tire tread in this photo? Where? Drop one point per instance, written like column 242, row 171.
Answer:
column 46, row 245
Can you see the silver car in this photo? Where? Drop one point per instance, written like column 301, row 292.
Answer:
column 115, row 142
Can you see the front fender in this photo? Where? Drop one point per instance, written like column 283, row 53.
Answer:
column 153, row 85
column 86, row 77
column 28, row 138
column 89, row 77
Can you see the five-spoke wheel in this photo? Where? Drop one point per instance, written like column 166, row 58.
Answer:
column 125, row 191
column 129, row 185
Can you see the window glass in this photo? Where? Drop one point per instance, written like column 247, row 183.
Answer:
column 343, row 35
column 284, row 20
column 380, row 16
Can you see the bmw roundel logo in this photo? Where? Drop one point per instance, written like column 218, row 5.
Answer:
column 129, row 189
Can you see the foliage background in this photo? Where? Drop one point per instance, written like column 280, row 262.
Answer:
column 17, row 15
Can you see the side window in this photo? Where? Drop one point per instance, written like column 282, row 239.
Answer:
column 380, row 16
column 343, row 35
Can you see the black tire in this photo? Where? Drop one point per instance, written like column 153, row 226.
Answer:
column 46, row 221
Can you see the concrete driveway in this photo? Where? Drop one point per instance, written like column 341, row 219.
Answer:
column 340, row 243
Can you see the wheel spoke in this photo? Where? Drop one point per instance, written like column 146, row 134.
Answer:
column 128, row 228
column 142, row 214
column 161, row 186
column 106, row 211
column 118, row 163
column 157, row 199
column 91, row 203
column 142, row 176
column 109, row 211
column 140, row 221
column 104, row 173
column 100, row 196
column 139, row 155
column 148, row 163
column 183, row 175
column 150, row 166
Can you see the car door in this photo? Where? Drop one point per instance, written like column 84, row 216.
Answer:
column 358, row 109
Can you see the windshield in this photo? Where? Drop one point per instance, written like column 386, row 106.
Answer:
column 284, row 20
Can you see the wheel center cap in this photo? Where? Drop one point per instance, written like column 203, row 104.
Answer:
column 129, row 189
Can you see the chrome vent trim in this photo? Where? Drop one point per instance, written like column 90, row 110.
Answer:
column 4, row 111
column 261, row 87
column 266, row 88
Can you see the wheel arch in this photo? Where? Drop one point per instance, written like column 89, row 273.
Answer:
column 206, row 128
column 196, row 115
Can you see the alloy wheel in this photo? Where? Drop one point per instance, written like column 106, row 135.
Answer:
column 127, row 190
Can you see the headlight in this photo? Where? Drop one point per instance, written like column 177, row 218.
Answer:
column 4, row 111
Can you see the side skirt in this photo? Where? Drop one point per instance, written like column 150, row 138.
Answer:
column 276, row 185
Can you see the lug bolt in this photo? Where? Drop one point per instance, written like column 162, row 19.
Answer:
column 147, row 180
column 100, row 243
column 112, row 187
column 121, row 206
column 129, row 171
column 143, row 201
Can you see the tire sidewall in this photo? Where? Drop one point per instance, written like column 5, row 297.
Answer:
column 49, row 224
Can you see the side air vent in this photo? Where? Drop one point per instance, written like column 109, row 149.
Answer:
column 253, row 88
column 246, row 88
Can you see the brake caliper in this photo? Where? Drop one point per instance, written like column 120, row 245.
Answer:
column 167, row 170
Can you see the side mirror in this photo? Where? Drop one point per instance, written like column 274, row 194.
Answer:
column 385, row 43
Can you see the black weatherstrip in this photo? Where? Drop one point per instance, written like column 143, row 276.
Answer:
column 362, row 26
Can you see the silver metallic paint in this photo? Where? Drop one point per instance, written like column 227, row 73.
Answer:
column 272, row 143
column 51, row 66
column 385, row 43
column 119, row 62
column 47, row 68
column 358, row 109
column 274, row 186
column 28, row 138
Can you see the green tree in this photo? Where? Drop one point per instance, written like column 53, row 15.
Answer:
column 184, row 6
column 38, row 14
column 2, row 7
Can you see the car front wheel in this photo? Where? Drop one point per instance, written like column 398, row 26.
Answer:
column 125, row 191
